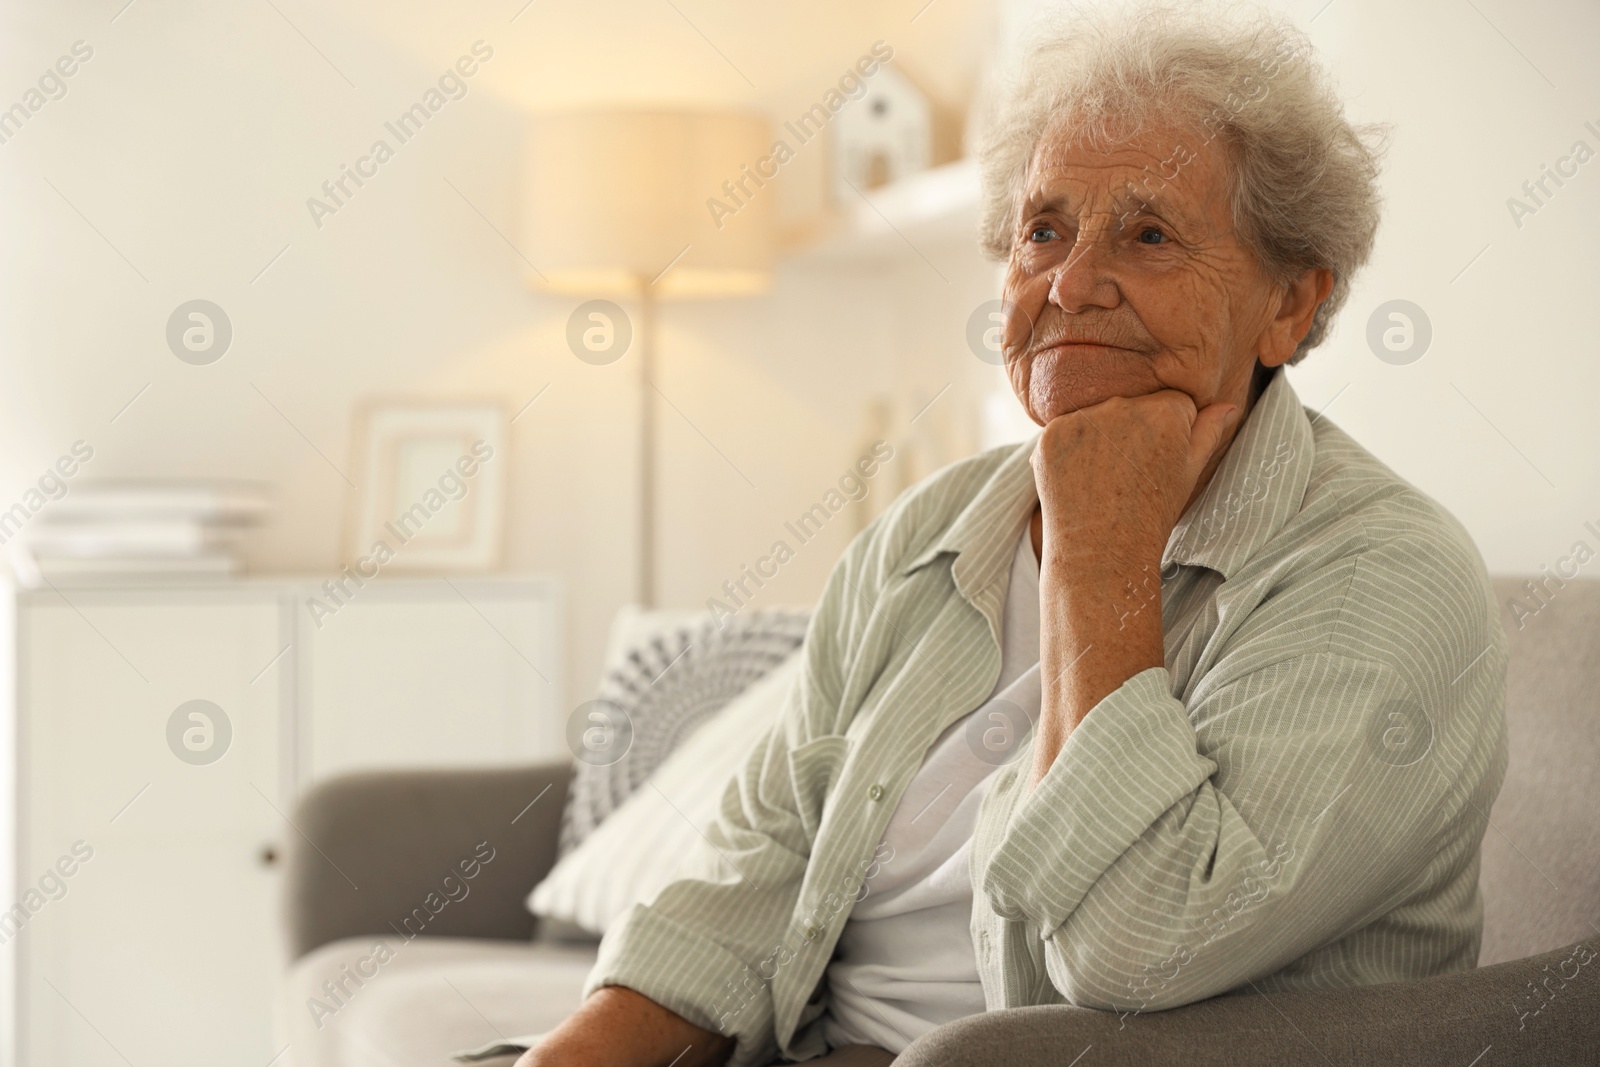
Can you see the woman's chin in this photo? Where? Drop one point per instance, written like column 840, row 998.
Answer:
column 1051, row 400
column 1059, row 386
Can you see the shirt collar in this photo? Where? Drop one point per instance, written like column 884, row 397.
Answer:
column 983, row 536
column 1259, row 485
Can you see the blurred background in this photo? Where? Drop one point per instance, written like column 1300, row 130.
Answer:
column 241, row 344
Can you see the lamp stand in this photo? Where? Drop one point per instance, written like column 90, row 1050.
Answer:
column 647, row 444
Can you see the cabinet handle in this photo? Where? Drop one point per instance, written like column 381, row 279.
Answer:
column 268, row 856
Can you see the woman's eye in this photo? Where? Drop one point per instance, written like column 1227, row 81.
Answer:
column 1151, row 235
column 1041, row 234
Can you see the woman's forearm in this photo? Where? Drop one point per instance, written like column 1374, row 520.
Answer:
column 617, row 1027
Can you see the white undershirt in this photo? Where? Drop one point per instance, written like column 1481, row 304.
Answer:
column 904, row 963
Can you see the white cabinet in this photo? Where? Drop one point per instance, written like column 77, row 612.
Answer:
column 162, row 944
column 164, row 919
column 457, row 672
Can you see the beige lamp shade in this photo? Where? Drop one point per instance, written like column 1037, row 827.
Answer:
column 614, row 199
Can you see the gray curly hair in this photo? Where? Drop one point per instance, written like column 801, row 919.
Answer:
column 1304, row 180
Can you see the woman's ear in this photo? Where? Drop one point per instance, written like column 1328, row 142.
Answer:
column 1297, row 305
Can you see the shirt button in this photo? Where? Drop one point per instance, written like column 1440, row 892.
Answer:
column 876, row 792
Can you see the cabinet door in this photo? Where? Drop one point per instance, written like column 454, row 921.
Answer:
column 162, row 946
column 432, row 673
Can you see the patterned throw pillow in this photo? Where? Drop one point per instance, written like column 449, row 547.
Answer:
column 667, row 687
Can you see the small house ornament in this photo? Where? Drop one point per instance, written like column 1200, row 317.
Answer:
column 881, row 137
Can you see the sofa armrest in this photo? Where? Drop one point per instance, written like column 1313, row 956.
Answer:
column 1448, row 1021
column 371, row 847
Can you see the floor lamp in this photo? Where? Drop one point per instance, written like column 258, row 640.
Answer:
column 645, row 206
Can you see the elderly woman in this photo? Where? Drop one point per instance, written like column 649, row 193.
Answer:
column 1187, row 695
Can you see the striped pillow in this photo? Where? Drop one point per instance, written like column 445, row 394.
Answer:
column 663, row 688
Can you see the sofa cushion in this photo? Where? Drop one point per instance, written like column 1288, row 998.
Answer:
column 656, row 690
column 432, row 996
column 1541, row 854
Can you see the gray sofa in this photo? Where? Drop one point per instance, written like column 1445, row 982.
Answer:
column 372, row 847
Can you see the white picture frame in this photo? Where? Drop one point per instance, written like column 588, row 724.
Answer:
column 430, row 489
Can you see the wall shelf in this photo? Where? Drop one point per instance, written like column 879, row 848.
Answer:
column 935, row 207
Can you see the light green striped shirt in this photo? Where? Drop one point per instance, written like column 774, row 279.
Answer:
column 1295, row 800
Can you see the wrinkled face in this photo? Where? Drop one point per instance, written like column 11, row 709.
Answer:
column 1126, row 278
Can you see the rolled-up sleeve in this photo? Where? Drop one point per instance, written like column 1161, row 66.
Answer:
column 1084, row 815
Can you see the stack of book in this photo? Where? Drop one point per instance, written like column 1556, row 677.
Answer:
column 138, row 530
